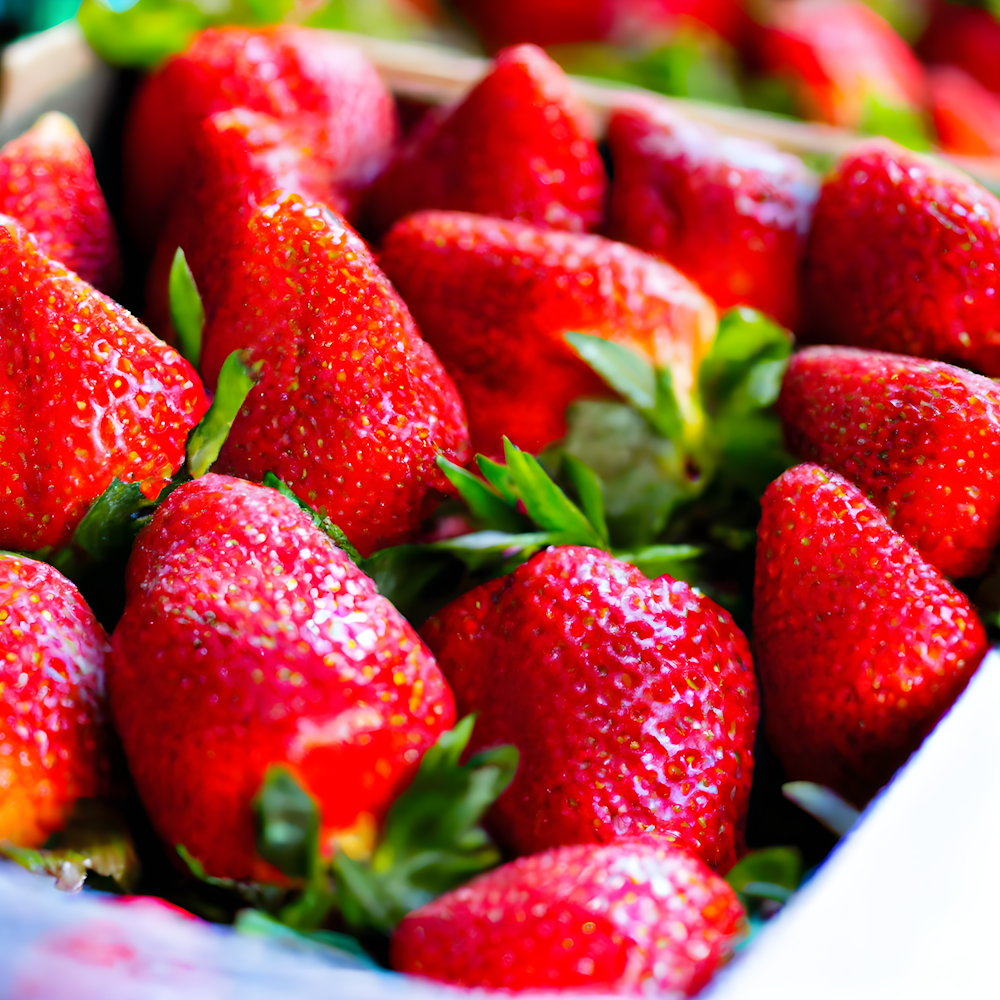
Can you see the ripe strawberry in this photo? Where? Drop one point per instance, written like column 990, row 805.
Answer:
column 51, row 700
column 903, row 256
column 306, row 78
column 627, row 917
column 841, row 59
column 966, row 114
column 242, row 156
column 729, row 213
column 632, row 703
column 87, row 394
column 495, row 299
column 963, row 36
column 861, row 645
column 518, row 146
column 920, row 438
column 249, row 639
column 47, row 183
column 351, row 408
column 500, row 23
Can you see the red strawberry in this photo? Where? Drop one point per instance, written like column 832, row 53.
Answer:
column 631, row 701
column 626, row 917
column 545, row 22
column 518, row 146
column 87, row 394
column 47, row 183
column 861, row 645
column 730, row 213
column 966, row 114
column 838, row 58
column 963, row 36
column 306, row 78
column 903, row 256
column 920, row 438
column 249, row 639
column 51, row 700
column 242, row 156
column 352, row 407
column 496, row 298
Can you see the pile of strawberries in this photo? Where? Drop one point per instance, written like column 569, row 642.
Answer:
column 912, row 70
column 280, row 719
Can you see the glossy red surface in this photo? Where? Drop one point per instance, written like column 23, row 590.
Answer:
column 920, row 438
column 243, row 156
column 838, row 58
column 628, row 917
column 249, row 639
column 352, row 407
column 904, row 256
column 730, row 214
column 306, row 78
column 965, row 36
column 861, row 645
column 52, row 653
column 633, row 703
column 47, row 183
column 495, row 300
column 87, row 394
column 966, row 115
column 518, row 146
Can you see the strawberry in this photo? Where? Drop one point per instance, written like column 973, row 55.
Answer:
column 242, row 156
column 306, row 78
column 47, row 183
column 518, row 146
column 351, row 408
column 966, row 114
column 496, row 298
column 964, row 36
column 87, row 394
column 843, row 62
column 861, row 645
column 903, row 256
column 51, row 701
column 729, row 213
column 626, row 917
column 500, row 23
column 249, row 639
column 632, row 703
column 920, row 438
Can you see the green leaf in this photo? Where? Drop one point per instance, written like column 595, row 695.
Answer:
column 487, row 506
column 319, row 517
column 908, row 126
column 499, row 477
column 727, row 378
column 95, row 842
column 431, row 840
column 206, row 440
column 645, row 476
column 186, row 310
column 145, row 34
column 545, row 503
column 678, row 561
column 69, row 868
column 777, row 866
column 110, row 525
column 626, row 371
column 822, row 803
column 342, row 947
column 287, row 823
column 588, row 488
